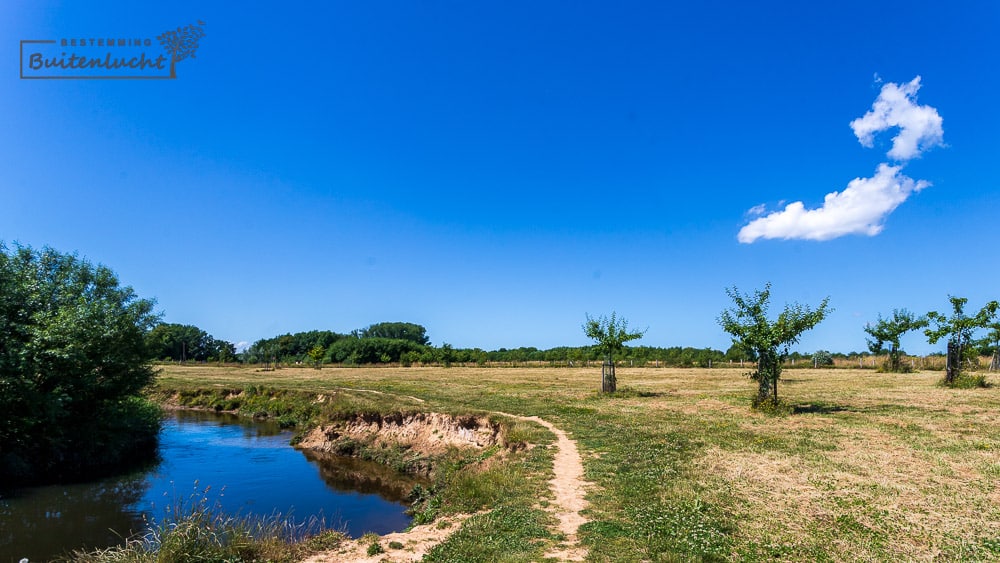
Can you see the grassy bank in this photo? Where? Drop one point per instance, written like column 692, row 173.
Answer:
column 869, row 467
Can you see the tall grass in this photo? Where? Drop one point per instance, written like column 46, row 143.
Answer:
column 195, row 532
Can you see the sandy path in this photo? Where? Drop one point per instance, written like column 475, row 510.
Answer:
column 570, row 491
column 567, row 485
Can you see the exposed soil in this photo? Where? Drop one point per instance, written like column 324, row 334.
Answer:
column 417, row 542
column 433, row 433
column 427, row 433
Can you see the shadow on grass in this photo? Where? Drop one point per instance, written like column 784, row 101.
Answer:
column 820, row 408
column 629, row 393
column 865, row 410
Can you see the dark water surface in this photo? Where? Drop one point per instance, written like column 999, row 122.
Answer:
column 241, row 467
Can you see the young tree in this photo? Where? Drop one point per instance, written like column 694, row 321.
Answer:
column 991, row 343
column 611, row 335
column 960, row 329
column 747, row 322
column 316, row 354
column 889, row 331
column 447, row 354
column 822, row 358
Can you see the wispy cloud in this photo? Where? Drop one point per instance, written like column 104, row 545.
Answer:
column 862, row 207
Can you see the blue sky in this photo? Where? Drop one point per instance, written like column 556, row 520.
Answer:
column 494, row 171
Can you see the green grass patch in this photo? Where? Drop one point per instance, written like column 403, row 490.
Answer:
column 506, row 534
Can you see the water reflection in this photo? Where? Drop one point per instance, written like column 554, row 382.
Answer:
column 41, row 522
column 239, row 466
column 355, row 475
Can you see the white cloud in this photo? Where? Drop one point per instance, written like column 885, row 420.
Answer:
column 860, row 209
column 919, row 126
column 757, row 210
column 865, row 203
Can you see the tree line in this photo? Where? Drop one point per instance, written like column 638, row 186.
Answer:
column 376, row 345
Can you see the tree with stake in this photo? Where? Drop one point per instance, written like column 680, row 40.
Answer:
column 747, row 322
column 959, row 328
column 611, row 335
column 992, row 345
column 889, row 331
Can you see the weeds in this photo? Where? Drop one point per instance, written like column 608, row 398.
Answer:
column 194, row 532
column 967, row 381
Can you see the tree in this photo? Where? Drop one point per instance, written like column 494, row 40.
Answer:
column 991, row 345
column 447, row 354
column 72, row 365
column 750, row 328
column 889, row 331
column 960, row 329
column 316, row 354
column 611, row 335
column 822, row 358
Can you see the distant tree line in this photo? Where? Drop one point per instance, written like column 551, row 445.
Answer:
column 407, row 344
column 181, row 343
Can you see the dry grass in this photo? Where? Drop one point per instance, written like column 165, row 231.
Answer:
column 871, row 467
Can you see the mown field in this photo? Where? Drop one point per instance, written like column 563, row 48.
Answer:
column 869, row 467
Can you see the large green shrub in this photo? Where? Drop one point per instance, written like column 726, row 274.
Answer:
column 72, row 365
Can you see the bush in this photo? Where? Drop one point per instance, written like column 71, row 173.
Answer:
column 73, row 363
column 967, row 381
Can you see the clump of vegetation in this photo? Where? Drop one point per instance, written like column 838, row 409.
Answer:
column 374, row 546
column 967, row 381
column 73, row 364
column 288, row 408
column 197, row 532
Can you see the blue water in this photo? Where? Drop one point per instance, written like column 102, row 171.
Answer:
column 230, row 464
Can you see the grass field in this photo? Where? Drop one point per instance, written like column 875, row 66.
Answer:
column 870, row 467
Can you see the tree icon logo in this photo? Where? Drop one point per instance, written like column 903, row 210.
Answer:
column 181, row 43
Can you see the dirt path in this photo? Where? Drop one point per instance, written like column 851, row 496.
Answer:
column 569, row 488
column 567, row 485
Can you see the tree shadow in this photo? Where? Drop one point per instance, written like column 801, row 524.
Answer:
column 629, row 392
column 819, row 408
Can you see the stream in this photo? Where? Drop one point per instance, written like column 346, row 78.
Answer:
column 237, row 466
